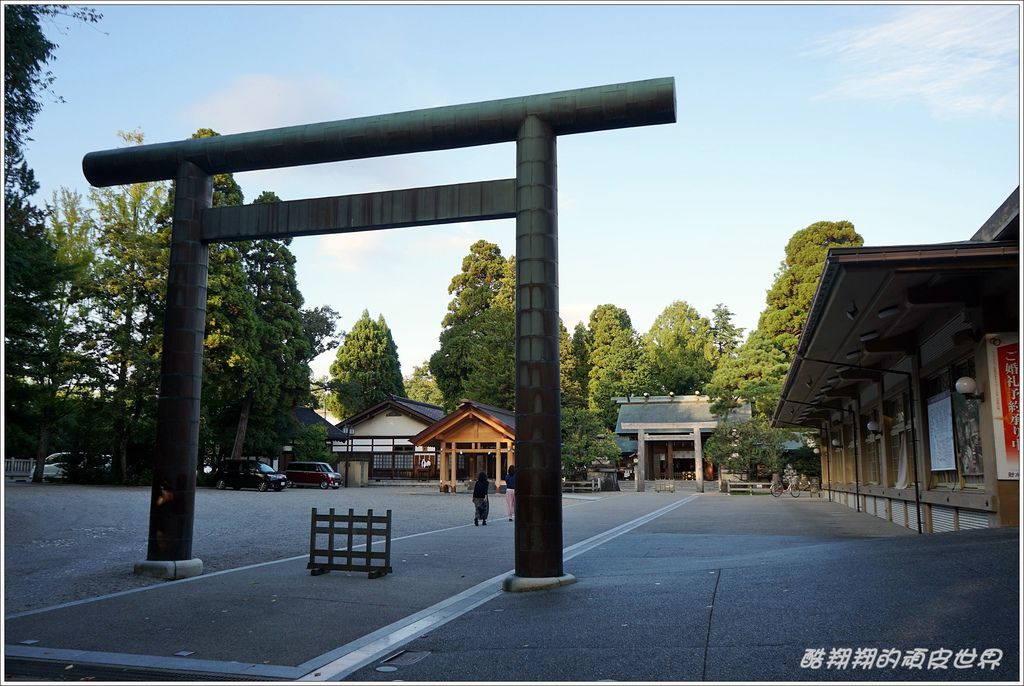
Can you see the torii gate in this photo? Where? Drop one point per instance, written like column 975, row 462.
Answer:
column 533, row 122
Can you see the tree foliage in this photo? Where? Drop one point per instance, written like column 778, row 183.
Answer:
column 618, row 364
column 681, row 348
column 130, row 300
column 789, row 298
column 476, row 353
column 585, row 440
column 572, row 367
column 310, row 444
column 36, row 275
column 367, row 369
column 757, row 371
column 421, row 386
column 741, row 447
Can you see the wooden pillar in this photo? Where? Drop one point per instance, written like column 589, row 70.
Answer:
column 698, row 459
column 670, row 470
column 641, row 460
column 454, row 459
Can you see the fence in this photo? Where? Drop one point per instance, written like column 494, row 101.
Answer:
column 351, row 558
column 18, row 469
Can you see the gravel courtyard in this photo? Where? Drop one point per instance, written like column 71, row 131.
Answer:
column 65, row 542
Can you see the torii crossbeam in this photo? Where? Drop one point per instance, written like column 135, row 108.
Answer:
column 533, row 122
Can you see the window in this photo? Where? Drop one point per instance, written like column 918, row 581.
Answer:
column 901, row 447
column 869, row 457
column 954, row 430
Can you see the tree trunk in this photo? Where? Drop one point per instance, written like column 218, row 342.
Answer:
column 42, row 448
column 243, row 425
column 122, row 458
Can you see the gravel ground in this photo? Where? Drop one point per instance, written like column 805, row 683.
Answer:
column 64, row 542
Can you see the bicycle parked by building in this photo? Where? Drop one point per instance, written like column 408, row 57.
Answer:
column 789, row 475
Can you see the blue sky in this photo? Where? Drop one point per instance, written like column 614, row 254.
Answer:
column 903, row 119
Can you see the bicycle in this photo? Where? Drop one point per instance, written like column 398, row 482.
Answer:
column 793, row 488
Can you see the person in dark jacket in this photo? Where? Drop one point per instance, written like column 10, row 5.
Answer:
column 480, row 489
column 510, row 492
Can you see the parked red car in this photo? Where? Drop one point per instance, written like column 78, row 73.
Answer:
column 312, row 474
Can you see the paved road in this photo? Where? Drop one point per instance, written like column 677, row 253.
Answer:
column 65, row 542
column 672, row 587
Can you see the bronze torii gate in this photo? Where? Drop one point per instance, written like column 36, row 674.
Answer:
column 533, row 122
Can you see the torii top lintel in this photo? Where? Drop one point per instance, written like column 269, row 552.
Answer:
column 582, row 110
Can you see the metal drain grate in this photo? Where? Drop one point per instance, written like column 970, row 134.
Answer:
column 405, row 658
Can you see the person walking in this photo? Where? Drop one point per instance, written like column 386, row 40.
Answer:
column 510, row 492
column 480, row 489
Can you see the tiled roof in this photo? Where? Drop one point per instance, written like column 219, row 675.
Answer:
column 425, row 412
column 431, row 412
column 506, row 417
column 308, row 417
column 663, row 410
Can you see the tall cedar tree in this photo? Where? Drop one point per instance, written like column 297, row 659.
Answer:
column 476, row 355
column 131, row 292
column 756, row 373
column 367, row 369
column 680, row 345
column 283, row 348
column 618, row 365
column 421, row 386
column 32, row 272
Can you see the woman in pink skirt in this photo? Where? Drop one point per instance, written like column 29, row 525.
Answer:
column 510, row 492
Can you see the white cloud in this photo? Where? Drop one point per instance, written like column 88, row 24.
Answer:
column 252, row 102
column 352, row 251
column 958, row 60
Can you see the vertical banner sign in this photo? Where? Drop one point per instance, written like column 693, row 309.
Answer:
column 1004, row 365
column 940, row 432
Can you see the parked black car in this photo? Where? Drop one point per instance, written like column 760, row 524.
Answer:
column 248, row 474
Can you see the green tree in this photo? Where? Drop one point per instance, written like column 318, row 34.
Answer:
column 585, row 440
column 789, row 298
column 680, row 344
column 757, row 371
column 130, row 301
column 321, row 327
column 310, row 444
column 422, row 387
column 618, row 365
column 55, row 367
column 33, row 273
column 572, row 383
column 492, row 373
column 283, row 345
column 476, row 354
column 754, row 375
column 367, row 369
column 726, row 336
column 741, row 446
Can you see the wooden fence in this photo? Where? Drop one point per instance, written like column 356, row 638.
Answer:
column 354, row 557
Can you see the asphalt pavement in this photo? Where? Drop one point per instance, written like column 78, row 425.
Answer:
column 670, row 587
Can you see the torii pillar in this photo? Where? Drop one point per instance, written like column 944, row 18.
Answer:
column 532, row 122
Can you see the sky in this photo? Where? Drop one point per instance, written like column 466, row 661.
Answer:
column 903, row 119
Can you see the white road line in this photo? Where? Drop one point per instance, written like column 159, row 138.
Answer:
column 380, row 643
column 342, row 661
column 157, row 585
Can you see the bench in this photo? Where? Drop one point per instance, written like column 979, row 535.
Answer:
column 747, row 487
column 664, row 486
column 18, row 469
column 593, row 485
